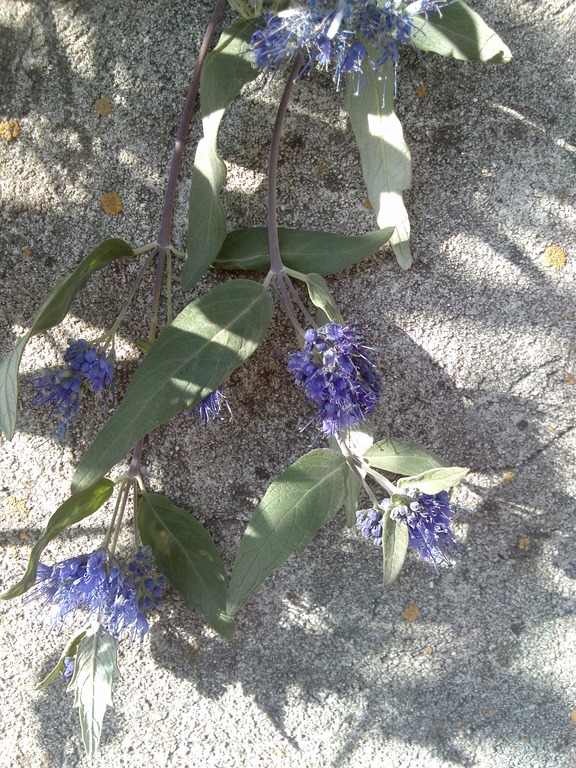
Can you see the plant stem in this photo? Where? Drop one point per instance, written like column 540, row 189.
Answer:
column 108, row 337
column 165, row 230
column 276, row 267
column 164, row 234
column 177, row 153
column 124, row 496
column 380, row 479
column 275, row 258
column 120, row 503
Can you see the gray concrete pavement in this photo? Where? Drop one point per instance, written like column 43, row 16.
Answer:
column 477, row 346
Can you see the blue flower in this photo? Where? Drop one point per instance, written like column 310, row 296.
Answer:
column 94, row 583
column 88, row 369
column 68, row 670
column 211, row 407
column 349, row 35
column 428, row 518
column 369, row 521
column 95, row 366
column 337, row 373
column 61, row 390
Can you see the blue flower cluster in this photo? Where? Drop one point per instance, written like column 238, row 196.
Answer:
column 97, row 585
column 336, row 371
column 211, row 407
column 369, row 521
column 428, row 518
column 350, row 36
column 88, row 369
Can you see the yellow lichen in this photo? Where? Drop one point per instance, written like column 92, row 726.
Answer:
column 421, row 92
column 111, row 203
column 411, row 612
column 523, row 543
column 103, row 106
column 508, row 477
column 555, row 257
column 9, row 130
column 15, row 506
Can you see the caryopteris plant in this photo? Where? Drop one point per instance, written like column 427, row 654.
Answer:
column 190, row 357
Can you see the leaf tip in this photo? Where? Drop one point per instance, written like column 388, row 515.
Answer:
column 227, row 626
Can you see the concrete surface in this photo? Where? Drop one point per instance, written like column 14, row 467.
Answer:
column 478, row 350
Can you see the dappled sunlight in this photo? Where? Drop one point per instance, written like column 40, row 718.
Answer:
column 539, row 128
column 474, row 345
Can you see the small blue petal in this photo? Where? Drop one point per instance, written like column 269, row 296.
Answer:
column 212, row 406
column 325, row 32
column 88, row 369
column 429, row 521
column 95, row 584
column 337, row 374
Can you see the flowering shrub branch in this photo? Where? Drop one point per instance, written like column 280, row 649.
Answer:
column 189, row 359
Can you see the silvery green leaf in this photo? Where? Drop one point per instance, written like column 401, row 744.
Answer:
column 79, row 506
column 401, row 457
column 226, row 70
column 296, row 505
column 51, row 312
column 394, row 548
column 68, row 652
column 384, row 155
column 186, row 554
column 95, row 668
column 435, row 480
column 358, row 438
column 459, row 32
column 321, row 297
column 193, row 356
column 302, row 250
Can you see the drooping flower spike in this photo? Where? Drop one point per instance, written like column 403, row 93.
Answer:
column 96, row 585
column 348, row 36
column 428, row 518
column 89, row 369
column 336, row 371
column 212, row 406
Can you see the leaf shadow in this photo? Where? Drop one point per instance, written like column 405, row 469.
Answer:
column 320, row 632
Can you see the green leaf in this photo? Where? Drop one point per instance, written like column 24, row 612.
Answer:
column 302, row 250
column 185, row 553
column 461, row 33
column 394, row 547
column 435, row 480
column 95, row 668
column 352, row 487
column 226, row 70
column 358, row 439
column 196, row 353
column 77, row 507
column 384, row 155
column 401, row 457
column 321, row 297
column 51, row 312
column 68, row 652
column 296, row 505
